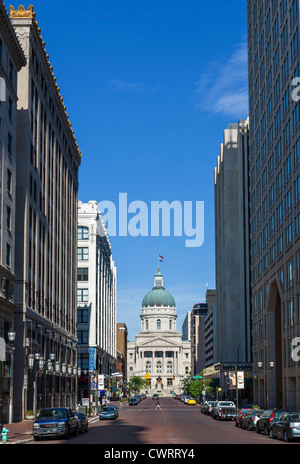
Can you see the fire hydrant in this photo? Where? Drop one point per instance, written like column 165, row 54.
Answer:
column 4, row 434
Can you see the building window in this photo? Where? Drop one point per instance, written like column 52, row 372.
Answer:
column 83, row 254
column 82, row 316
column 148, row 367
column 9, row 179
column 82, row 295
column 8, row 255
column 147, row 324
column 158, row 324
column 9, row 144
column 82, row 274
column 169, row 383
column 169, row 368
column 83, row 233
column 158, row 367
column 8, row 218
column 83, row 337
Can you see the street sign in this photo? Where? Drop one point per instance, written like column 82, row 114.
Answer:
column 197, row 377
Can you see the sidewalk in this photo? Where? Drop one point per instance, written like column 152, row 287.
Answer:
column 21, row 432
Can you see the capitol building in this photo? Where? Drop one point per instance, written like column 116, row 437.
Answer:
column 159, row 350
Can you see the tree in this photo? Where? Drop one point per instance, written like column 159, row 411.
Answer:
column 136, row 383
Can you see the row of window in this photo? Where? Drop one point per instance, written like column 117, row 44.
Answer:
column 158, row 324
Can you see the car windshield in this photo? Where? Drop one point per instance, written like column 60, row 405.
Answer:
column 225, row 403
column 108, row 408
column 296, row 417
column 52, row 414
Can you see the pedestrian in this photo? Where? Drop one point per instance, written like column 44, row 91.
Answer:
column 158, row 404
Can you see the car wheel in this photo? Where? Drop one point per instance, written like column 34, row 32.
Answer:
column 266, row 431
column 68, row 434
column 36, row 438
column 257, row 429
column 272, row 435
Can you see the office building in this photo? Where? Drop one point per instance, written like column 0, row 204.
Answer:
column 274, row 168
column 48, row 160
column 232, row 318
column 96, row 298
column 12, row 59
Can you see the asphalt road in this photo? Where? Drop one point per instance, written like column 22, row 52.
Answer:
column 175, row 424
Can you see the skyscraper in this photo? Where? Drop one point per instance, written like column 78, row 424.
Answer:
column 274, row 167
column 12, row 59
column 48, row 160
column 232, row 315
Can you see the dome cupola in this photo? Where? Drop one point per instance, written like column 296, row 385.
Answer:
column 158, row 296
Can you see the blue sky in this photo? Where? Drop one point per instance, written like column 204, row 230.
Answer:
column 149, row 88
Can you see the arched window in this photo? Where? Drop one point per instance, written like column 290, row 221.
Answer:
column 158, row 324
column 147, row 324
column 148, row 367
column 158, row 367
column 169, row 367
column 170, row 324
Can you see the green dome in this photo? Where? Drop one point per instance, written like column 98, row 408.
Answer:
column 158, row 297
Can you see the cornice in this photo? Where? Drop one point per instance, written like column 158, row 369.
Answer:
column 11, row 39
column 29, row 14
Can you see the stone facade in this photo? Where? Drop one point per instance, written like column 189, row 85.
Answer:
column 159, row 349
column 96, row 293
column 12, row 59
column 48, row 160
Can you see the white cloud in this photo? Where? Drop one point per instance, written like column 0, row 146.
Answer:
column 223, row 87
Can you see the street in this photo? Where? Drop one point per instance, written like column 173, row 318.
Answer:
column 175, row 424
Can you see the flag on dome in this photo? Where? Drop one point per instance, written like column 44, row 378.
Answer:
column 160, row 258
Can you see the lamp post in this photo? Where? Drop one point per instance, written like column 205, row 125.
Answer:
column 269, row 369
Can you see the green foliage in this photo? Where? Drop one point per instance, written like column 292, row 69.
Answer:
column 194, row 387
column 136, row 383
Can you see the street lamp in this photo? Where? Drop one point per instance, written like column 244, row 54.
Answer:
column 12, row 337
column 41, row 363
column 30, row 361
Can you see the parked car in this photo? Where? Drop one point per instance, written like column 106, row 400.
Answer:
column 239, row 416
column 211, row 407
column 108, row 412
column 191, row 401
column 265, row 421
column 83, row 423
column 224, row 410
column 52, row 422
column 205, row 408
column 286, row 426
column 155, row 396
column 133, row 401
column 249, row 421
